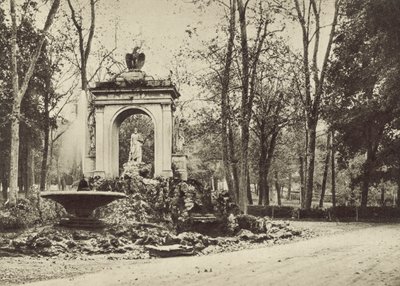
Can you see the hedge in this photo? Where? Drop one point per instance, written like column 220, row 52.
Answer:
column 339, row 212
column 271, row 211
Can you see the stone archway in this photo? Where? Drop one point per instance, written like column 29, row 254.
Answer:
column 113, row 103
column 119, row 117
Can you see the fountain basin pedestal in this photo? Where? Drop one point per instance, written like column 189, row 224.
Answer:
column 81, row 204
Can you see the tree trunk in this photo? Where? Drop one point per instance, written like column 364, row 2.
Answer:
column 45, row 152
column 397, row 202
column 311, row 162
column 261, row 190
column 277, row 187
column 249, row 197
column 31, row 169
column 50, row 160
column 383, row 196
column 226, row 154
column 14, row 157
column 326, row 168
column 244, row 110
column 398, row 196
column 27, row 168
column 305, row 161
column 229, row 181
column 367, row 170
column 267, row 153
column 16, row 112
column 243, row 182
column 365, row 187
column 333, row 171
column 289, row 194
column 23, row 174
column 302, row 182
column 266, row 198
column 398, row 189
column 262, row 171
column 270, row 156
column 4, row 186
column 59, row 185
column 233, row 162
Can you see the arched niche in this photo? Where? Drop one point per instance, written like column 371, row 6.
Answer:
column 120, row 117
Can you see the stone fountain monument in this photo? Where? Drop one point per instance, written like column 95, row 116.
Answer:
column 128, row 93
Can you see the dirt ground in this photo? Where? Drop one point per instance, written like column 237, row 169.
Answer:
column 343, row 254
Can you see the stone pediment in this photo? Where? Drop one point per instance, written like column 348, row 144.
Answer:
column 140, row 88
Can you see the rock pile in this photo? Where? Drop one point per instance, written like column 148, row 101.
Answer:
column 53, row 241
column 138, row 239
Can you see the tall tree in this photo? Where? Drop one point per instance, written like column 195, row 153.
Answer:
column 31, row 121
column 249, row 67
column 308, row 13
column 19, row 90
column 225, row 108
column 326, row 169
column 364, row 82
column 333, row 170
column 271, row 113
column 389, row 160
column 6, row 103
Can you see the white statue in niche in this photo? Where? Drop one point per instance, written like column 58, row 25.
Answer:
column 180, row 141
column 135, row 153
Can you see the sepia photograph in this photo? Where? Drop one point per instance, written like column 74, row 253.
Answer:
column 200, row 142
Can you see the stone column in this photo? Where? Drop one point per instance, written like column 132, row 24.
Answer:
column 100, row 154
column 156, row 111
column 166, row 139
column 111, row 142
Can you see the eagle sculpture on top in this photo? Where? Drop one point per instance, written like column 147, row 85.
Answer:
column 135, row 60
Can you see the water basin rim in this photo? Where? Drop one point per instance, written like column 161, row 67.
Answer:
column 80, row 193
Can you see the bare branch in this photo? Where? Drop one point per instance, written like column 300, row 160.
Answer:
column 320, row 28
column 332, row 33
column 100, row 64
column 36, row 54
column 91, row 30
column 316, row 43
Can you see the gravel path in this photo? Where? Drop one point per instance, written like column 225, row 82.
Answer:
column 366, row 255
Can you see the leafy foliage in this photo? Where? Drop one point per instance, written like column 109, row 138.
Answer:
column 364, row 105
column 224, row 205
column 151, row 200
column 41, row 91
column 29, row 212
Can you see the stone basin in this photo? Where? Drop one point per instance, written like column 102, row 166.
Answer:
column 82, row 203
